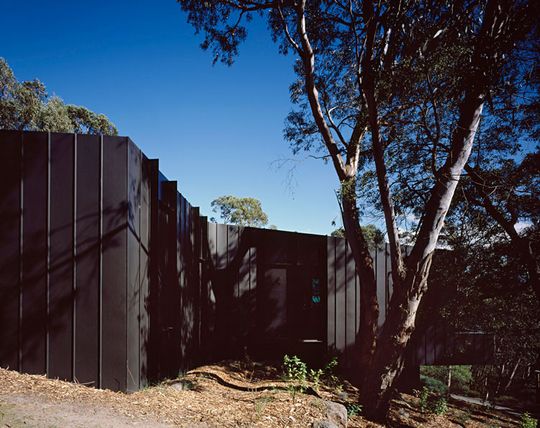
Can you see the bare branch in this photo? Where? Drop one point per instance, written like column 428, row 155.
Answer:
column 308, row 60
column 333, row 125
column 368, row 89
column 286, row 29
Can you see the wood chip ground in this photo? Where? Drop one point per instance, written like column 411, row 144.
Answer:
column 200, row 401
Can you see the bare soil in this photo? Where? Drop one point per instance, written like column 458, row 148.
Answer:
column 231, row 394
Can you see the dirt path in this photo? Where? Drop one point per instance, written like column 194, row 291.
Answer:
column 240, row 398
column 18, row 410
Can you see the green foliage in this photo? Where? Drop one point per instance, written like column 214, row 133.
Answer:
column 353, row 409
column 26, row 106
column 440, row 406
column 431, row 401
column 423, row 399
column 373, row 235
column 433, row 385
column 527, row 421
column 331, row 365
column 330, row 376
column 240, row 211
column 295, row 369
column 482, row 286
column 461, row 377
column 314, row 376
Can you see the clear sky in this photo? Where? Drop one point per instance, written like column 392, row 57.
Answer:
column 217, row 130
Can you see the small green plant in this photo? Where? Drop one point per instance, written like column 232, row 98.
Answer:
column 329, row 375
column 432, row 403
column 439, row 406
column 434, row 385
column 295, row 370
column 260, row 405
column 423, row 397
column 353, row 409
column 527, row 421
column 331, row 366
column 315, row 377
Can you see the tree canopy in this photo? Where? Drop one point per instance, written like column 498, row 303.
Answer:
column 27, row 106
column 374, row 236
column 240, row 211
column 394, row 95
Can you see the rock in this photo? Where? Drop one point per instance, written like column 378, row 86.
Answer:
column 182, row 385
column 324, row 423
column 336, row 413
column 343, row 396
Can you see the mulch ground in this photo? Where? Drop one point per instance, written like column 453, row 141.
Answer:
column 231, row 394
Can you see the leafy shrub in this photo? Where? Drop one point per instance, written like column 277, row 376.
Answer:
column 433, row 385
column 315, row 377
column 461, row 376
column 331, row 366
column 424, row 397
column 295, row 369
column 439, row 406
column 353, row 409
column 432, row 403
column 329, row 374
column 461, row 379
column 527, row 421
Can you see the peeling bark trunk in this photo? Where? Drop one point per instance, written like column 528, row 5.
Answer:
column 381, row 359
column 499, row 381
column 512, row 375
column 369, row 307
column 388, row 360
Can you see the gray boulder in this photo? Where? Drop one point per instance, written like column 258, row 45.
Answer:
column 336, row 413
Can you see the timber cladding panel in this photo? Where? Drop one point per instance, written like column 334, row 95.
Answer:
column 269, row 292
column 70, row 257
column 111, row 278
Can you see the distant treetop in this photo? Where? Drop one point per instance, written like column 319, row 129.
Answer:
column 240, row 211
column 26, row 106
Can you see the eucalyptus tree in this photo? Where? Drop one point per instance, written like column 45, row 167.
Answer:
column 27, row 106
column 498, row 194
column 509, row 195
column 240, row 211
column 365, row 72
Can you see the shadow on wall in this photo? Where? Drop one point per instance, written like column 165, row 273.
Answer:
column 68, row 215
column 263, row 282
column 234, row 293
column 40, row 307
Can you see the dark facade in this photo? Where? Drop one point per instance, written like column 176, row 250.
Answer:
column 109, row 277
column 73, row 257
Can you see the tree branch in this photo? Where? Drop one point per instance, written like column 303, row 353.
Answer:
column 286, row 29
column 368, row 89
column 308, row 60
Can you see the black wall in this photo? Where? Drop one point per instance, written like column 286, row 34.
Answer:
column 74, row 239
column 109, row 277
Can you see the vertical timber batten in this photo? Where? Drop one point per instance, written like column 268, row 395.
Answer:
column 110, row 277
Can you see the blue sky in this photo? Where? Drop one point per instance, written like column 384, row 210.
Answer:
column 216, row 129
